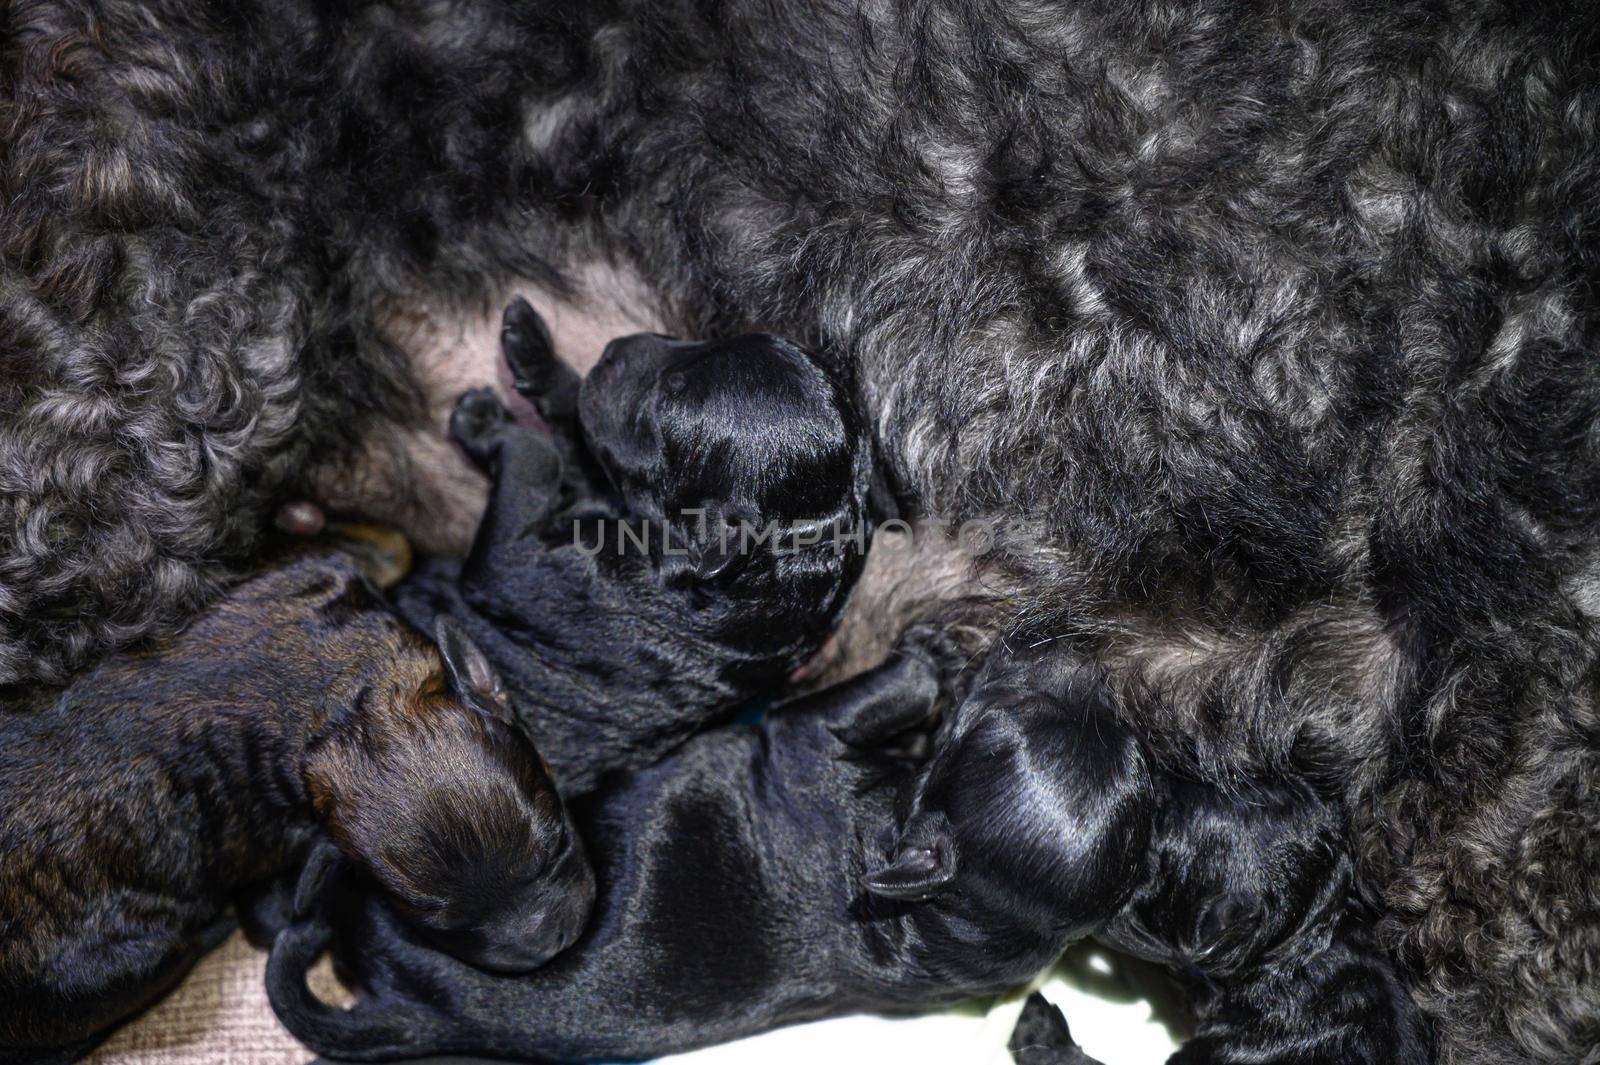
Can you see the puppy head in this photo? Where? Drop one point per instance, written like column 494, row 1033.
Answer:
column 1034, row 808
column 428, row 785
column 720, row 437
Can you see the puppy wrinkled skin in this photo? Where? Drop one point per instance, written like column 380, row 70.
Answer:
column 296, row 716
column 680, row 541
column 1276, row 324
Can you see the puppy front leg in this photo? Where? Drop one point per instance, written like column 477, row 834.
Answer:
column 887, row 710
column 525, row 482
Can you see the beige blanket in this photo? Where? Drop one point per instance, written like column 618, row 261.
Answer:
column 219, row 1016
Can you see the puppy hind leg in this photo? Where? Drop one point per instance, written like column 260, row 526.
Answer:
column 536, row 372
column 525, row 483
column 1042, row 1037
column 524, row 490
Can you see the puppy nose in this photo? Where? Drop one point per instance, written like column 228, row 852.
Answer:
column 555, row 939
column 520, row 954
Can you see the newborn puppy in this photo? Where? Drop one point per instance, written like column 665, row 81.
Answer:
column 1039, row 815
column 296, row 716
column 684, row 537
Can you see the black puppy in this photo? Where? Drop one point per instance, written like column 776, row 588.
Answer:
column 731, row 902
column 296, row 716
column 828, row 878
column 1039, row 815
column 683, row 539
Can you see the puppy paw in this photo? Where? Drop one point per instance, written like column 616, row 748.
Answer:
column 526, row 346
column 479, row 424
column 944, row 651
column 896, row 712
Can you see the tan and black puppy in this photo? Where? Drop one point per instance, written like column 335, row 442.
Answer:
column 298, row 716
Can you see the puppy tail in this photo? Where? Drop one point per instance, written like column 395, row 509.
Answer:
column 376, row 1028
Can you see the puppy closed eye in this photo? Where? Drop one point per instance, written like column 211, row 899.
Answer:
column 551, row 838
column 1224, row 923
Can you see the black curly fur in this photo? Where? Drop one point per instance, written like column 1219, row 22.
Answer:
column 1279, row 319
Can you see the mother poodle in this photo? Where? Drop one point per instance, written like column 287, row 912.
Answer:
column 1277, row 324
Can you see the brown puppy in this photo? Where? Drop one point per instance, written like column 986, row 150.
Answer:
column 296, row 716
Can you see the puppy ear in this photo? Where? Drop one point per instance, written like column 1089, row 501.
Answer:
column 471, row 675
column 1042, row 1037
column 716, row 547
column 898, row 701
column 918, row 872
column 314, row 877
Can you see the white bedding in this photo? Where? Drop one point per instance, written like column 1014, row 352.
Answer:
column 1107, row 1003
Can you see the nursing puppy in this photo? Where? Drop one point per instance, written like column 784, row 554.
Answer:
column 296, row 716
column 1039, row 815
column 832, row 877
column 705, row 504
column 1282, row 327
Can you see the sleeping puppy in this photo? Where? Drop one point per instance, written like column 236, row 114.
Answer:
column 296, row 717
column 762, row 876
column 1039, row 814
column 682, row 538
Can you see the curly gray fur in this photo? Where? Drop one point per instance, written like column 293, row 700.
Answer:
column 1278, row 320
column 203, row 210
